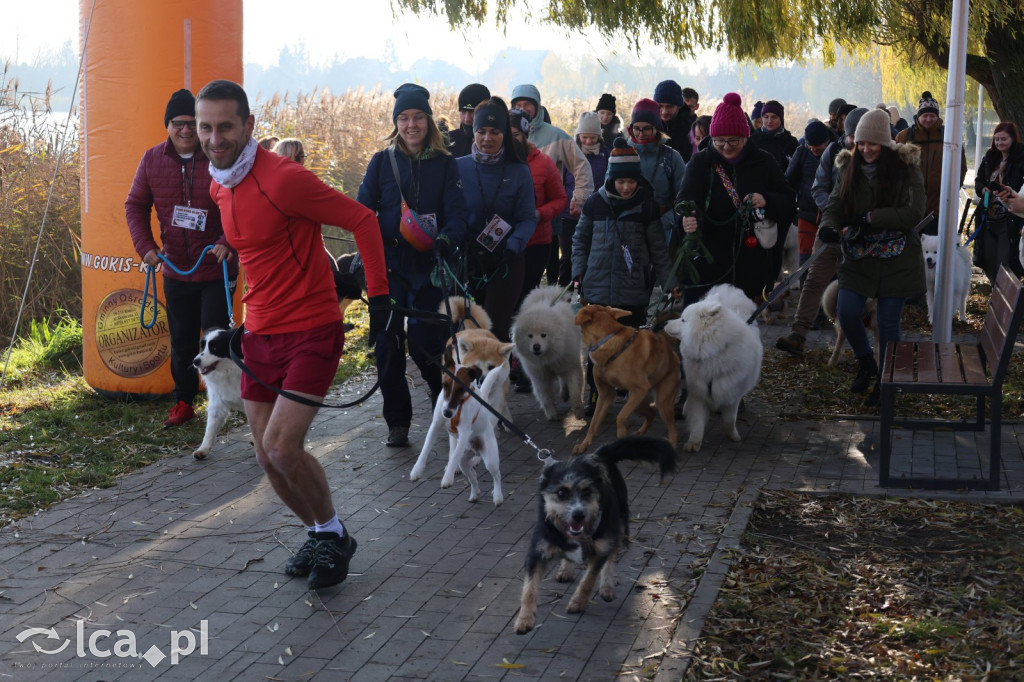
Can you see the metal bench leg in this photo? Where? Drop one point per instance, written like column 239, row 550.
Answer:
column 887, row 404
column 995, row 441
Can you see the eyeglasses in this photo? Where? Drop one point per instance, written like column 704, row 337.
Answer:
column 726, row 141
column 181, row 125
column 642, row 130
column 300, row 157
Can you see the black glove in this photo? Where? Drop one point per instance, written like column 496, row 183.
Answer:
column 380, row 317
column 862, row 220
column 443, row 246
column 829, row 235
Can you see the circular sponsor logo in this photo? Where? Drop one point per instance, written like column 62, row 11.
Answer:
column 125, row 346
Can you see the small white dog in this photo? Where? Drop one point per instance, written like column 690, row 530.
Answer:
column 470, row 426
column 721, row 359
column 961, row 275
column 223, row 384
column 548, row 345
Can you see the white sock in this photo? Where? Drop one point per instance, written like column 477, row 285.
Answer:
column 331, row 526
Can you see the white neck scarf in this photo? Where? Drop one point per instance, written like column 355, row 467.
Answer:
column 230, row 177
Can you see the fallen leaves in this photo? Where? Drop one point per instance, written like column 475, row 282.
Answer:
column 840, row 587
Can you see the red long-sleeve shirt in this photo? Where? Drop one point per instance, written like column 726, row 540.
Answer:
column 273, row 218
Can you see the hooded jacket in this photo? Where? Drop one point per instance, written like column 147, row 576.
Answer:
column 162, row 181
column 931, row 143
column 598, row 256
column 901, row 276
column 663, row 168
column 558, row 145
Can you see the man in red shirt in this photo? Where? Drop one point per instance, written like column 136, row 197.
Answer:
column 272, row 210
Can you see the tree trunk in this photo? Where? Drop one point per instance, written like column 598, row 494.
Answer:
column 1006, row 74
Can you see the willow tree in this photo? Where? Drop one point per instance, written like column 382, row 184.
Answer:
column 915, row 32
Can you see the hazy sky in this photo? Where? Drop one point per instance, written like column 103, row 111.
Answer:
column 346, row 28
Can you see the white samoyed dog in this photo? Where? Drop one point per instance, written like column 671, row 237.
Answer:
column 721, row 359
column 961, row 275
column 547, row 343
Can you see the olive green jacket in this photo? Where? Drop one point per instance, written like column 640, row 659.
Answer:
column 903, row 275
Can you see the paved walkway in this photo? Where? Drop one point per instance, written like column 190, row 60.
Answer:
column 187, row 552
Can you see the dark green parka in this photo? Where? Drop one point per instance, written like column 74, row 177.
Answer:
column 903, row 275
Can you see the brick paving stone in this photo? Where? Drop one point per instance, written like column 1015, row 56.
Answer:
column 435, row 585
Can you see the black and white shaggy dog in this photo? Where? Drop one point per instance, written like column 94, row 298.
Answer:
column 223, row 384
column 584, row 517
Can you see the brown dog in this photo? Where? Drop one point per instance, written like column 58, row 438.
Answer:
column 637, row 360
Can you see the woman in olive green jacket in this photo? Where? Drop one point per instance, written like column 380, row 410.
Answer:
column 873, row 209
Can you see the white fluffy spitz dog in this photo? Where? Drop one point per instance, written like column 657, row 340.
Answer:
column 721, row 359
column 961, row 276
column 548, row 345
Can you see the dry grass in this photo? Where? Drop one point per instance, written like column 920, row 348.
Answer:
column 30, row 142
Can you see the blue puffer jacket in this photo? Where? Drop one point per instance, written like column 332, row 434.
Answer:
column 513, row 200
column 663, row 168
column 430, row 186
column 598, row 256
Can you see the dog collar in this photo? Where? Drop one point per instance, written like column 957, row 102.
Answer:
column 621, row 350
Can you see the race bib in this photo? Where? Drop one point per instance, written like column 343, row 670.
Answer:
column 493, row 233
column 189, row 218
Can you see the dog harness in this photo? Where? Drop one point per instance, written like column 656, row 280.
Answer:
column 620, row 351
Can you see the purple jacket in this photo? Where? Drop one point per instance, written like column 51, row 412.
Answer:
column 165, row 180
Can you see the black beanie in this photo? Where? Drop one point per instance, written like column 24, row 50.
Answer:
column 490, row 115
column 473, row 95
column 606, row 103
column 182, row 103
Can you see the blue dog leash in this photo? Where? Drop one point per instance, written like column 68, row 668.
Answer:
column 981, row 222
column 151, row 282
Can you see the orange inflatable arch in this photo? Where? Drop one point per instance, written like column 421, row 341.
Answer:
column 137, row 54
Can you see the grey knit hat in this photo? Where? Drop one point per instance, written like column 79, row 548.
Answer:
column 852, row 119
column 590, row 124
column 874, row 127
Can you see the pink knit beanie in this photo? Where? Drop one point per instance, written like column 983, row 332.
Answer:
column 729, row 119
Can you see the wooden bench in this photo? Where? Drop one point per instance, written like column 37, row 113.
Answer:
column 976, row 369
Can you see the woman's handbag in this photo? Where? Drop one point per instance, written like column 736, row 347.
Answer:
column 418, row 232
column 882, row 245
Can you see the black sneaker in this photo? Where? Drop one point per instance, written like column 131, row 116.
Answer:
column 298, row 565
column 523, row 385
column 330, row 561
